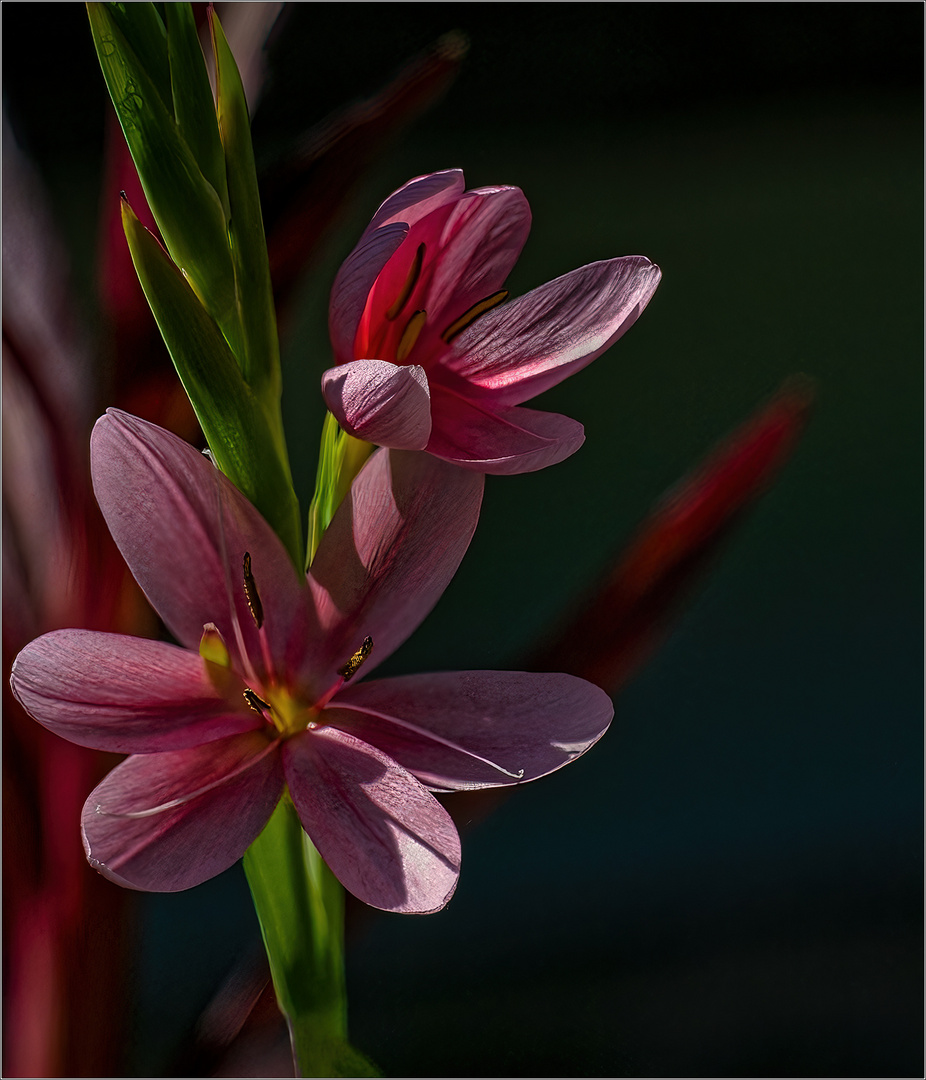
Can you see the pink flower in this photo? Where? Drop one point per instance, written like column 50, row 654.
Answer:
column 279, row 703
column 430, row 357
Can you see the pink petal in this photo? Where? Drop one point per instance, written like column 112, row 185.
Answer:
column 502, row 441
column 419, row 197
column 475, row 729
column 183, row 529
column 388, row 554
column 481, row 241
column 354, row 281
column 384, row 837
column 127, row 695
column 166, row 848
column 528, row 345
column 380, row 402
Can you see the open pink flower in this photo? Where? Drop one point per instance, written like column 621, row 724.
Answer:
column 430, row 357
column 261, row 693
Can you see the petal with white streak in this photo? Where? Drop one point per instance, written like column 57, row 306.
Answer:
column 475, row 729
column 166, row 822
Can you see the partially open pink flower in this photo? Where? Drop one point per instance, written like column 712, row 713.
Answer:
column 431, row 357
column 260, row 695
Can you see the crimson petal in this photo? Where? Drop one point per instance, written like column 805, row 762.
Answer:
column 380, row 402
column 500, row 441
column 183, row 528
column 386, row 839
column 475, row 729
column 166, row 822
column 388, row 554
column 534, row 342
column 126, row 694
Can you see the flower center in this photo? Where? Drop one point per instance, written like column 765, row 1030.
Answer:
column 285, row 708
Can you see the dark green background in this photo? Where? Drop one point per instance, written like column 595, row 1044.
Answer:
column 730, row 884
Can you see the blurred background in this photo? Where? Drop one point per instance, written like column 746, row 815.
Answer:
column 730, row 884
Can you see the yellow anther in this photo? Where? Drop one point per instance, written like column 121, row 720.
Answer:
column 459, row 325
column 411, row 281
column 250, row 591
column 410, row 334
column 212, row 646
column 352, row 666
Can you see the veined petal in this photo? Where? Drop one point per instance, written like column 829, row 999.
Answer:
column 388, row 554
column 126, row 694
column 354, row 281
column 475, row 729
column 481, row 241
column 385, row 838
column 419, row 197
column 502, row 441
column 166, row 822
column 380, row 402
column 184, row 528
column 528, row 345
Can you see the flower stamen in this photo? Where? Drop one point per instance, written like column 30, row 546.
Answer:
column 480, row 308
column 352, row 666
column 250, row 591
column 413, row 328
column 256, row 702
column 410, row 282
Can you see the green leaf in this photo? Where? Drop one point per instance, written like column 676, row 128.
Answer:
column 194, row 108
column 144, row 31
column 188, row 211
column 300, row 907
column 253, row 289
column 242, row 440
column 340, row 458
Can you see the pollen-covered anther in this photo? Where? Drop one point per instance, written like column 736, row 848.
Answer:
column 250, row 592
column 256, row 702
column 352, row 666
column 470, row 316
column 414, row 272
column 413, row 328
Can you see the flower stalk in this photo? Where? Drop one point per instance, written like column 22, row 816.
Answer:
column 291, row 886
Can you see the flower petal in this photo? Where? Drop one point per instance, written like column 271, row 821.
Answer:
column 354, row 281
column 183, row 529
column 502, row 441
column 475, row 729
column 388, row 554
column 380, row 402
column 419, row 197
column 385, row 838
column 127, row 695
column 151, row 825
column 481, row 241
column 528, row 345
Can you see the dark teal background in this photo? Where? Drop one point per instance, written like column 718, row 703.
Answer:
column 730, row 884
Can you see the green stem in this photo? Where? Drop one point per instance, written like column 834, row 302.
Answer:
column 300, row 906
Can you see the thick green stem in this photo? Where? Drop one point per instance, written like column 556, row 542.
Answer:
column 300, row 906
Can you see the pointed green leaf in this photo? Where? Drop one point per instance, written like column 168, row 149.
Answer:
column 254, row 292
column 194, row 107
column 235, row 424
column 186, row 207
column 143, row 29
column 300, row 907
